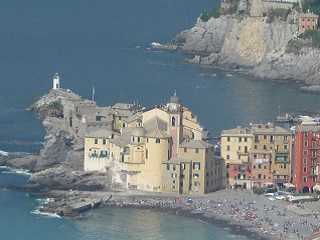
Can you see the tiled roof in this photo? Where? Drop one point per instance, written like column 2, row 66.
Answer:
column 156, row 128
column 307, row 128
column 236, row 131
column 99, row 132
column 121, row 141
column 270, row 130
column 195, row 144
column 122, row 106
column 134, row 117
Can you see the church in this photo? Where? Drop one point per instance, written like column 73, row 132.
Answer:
column 162, row 149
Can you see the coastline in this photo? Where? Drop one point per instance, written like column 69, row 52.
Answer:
column 237, row 69
column 233, row 228
column 241, row 212
column 209, row 208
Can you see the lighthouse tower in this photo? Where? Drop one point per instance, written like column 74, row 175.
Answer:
column 56, row 81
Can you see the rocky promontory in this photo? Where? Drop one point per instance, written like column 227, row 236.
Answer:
column 263, row 42
column 59, row 165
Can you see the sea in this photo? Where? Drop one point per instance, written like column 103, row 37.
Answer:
column 105, row 45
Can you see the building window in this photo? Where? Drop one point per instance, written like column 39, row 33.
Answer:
column 228, row 148
column 264, row 147
column 228, row 157
column 173, row 121
column 228, row 139
column 174, row 167
column 185, row 150
column 104, row 141
column 246, row 149
column 96, row 141
column 147, row 153
column 240, row 139
column 183, row 166
column 168, row 167
column 264, row 137
column 196, row 166
column 139, row 139
column 271, row 139
column 245, row 139
column 255, row 147
column 158, row 140
column 197, row 150
column 305, row 179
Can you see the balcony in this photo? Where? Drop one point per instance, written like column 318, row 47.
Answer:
column 241, row 152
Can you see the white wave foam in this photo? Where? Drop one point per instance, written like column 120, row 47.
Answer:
column 3, row 153
column 44, row 201
column 45, row 214
column 16, row 171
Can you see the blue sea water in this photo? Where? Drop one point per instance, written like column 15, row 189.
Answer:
column 103, row 44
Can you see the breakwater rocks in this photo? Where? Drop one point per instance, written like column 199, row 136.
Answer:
column 262, row 48
column 71, row 204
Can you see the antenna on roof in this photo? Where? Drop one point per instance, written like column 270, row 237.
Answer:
column 175, row 93
column 93, row 93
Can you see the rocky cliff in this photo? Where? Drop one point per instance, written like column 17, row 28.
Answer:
column 60, row 162
column 258, row 44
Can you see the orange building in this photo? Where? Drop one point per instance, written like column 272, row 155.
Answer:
column 308, row 21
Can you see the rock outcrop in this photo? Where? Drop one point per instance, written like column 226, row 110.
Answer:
column 255, row 43
column 59, row 164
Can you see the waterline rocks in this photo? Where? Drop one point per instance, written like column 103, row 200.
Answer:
column 59, row 164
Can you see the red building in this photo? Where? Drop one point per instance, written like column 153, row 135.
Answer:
column 307, row 157
column 239, row 175
column 308, row 21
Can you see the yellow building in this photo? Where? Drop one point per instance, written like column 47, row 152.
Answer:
column 162, row 150
column 272, row 146
column 257, row 156
column 236, row 145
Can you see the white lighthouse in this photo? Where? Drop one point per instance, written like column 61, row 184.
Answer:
column 56, row 81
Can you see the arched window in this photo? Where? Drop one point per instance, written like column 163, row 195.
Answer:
column 173, row 121
column 192, row 135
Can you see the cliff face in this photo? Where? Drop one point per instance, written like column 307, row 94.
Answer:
column 254, row 43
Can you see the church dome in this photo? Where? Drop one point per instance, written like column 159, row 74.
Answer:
column 138, row 132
